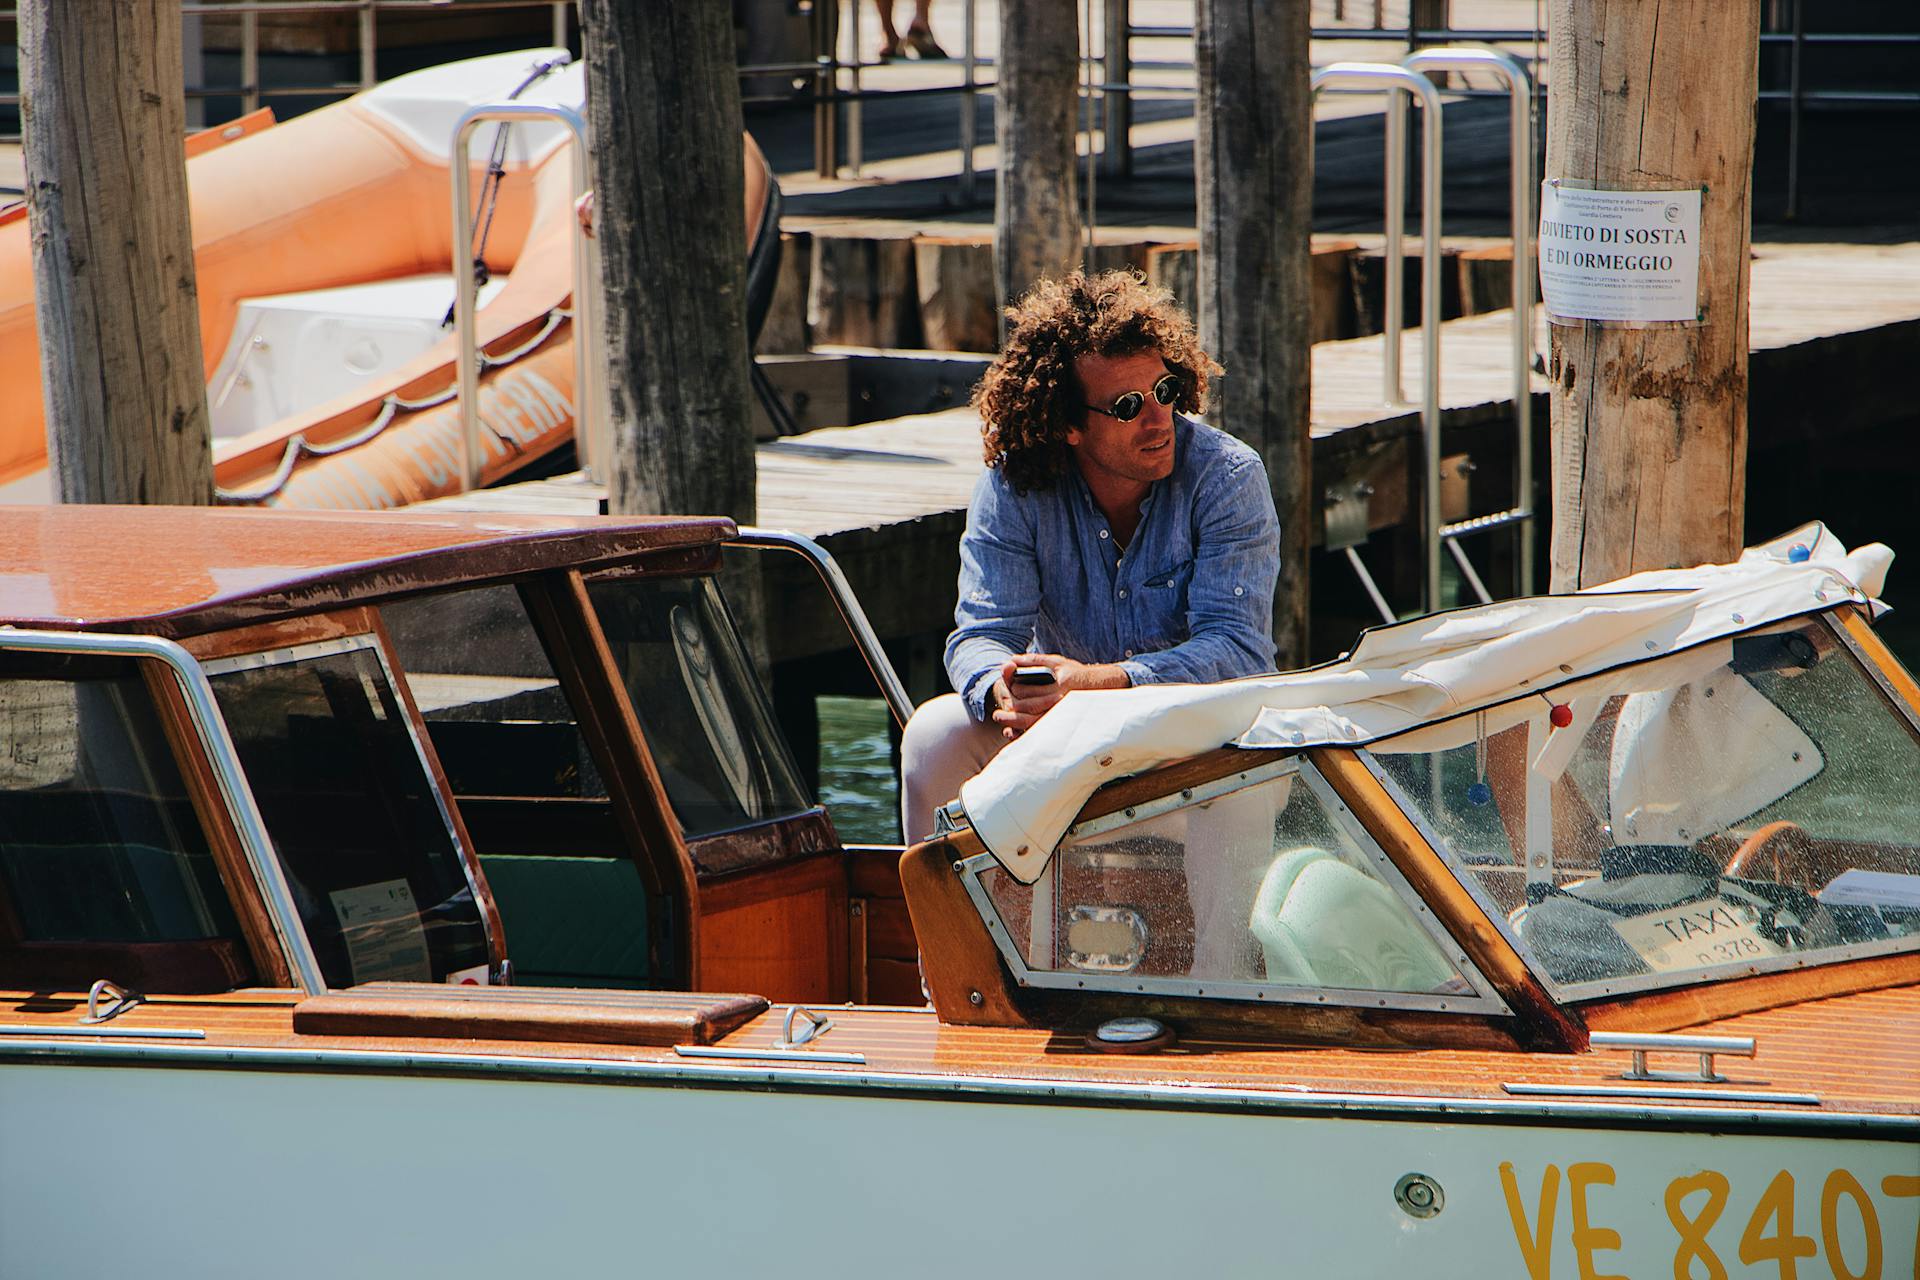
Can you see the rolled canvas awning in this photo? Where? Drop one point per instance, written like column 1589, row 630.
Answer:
column 1401, row 677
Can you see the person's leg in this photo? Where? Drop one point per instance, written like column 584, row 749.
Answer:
column 941, row 747
column 1229, row 848
column 891, row 45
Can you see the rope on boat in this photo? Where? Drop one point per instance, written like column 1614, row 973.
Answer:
column 299, row 447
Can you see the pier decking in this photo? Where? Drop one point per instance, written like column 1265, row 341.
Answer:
column 888, row 498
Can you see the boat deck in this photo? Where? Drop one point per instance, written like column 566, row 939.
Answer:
column 1857, row 1055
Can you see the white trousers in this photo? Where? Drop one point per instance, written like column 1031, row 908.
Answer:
column 941, row 747
column 1229, row 841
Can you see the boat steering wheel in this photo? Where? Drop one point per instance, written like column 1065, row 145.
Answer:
column 1780, row 851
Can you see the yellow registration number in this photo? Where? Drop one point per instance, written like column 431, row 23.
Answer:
column 1842, row 1218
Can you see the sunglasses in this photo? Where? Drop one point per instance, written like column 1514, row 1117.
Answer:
column 1128, row 406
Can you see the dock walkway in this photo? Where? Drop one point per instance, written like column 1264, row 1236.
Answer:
column 888, row 498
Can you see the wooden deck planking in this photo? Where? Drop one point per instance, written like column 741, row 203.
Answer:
column 1856, row 1053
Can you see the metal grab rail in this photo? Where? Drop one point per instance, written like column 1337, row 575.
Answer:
column 467, row 348
column 1641, row 1043
column 204, row 713
column 1520, row 148
column 864, row 636
column 1395, row 80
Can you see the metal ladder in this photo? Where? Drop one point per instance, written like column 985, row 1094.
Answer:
column 1401, row 81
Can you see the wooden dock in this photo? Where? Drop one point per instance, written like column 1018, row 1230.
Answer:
column 1830, row 325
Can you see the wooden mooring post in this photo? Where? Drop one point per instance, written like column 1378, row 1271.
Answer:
column 1036, row 219
column 1650, row 424
column 103, row 115
column 664, row 107
column 1254, row 170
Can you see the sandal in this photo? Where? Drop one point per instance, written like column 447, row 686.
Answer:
column 891, row 49
column 924, row 46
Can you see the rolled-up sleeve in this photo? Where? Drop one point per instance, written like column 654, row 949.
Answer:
column 1230, row 598
column 999, row 593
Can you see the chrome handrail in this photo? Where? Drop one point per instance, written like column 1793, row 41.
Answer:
column 864, row 636
column 204, row 713
column 1396, row 80
column 1641, row 1043
column 467, row 353
column 1519, row 87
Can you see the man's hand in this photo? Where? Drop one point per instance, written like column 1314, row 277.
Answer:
column 1017, row 706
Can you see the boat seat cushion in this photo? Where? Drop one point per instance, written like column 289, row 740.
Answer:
column 1324, row 923
column 572, row 921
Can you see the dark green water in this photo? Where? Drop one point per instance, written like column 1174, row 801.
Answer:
column 857, row 782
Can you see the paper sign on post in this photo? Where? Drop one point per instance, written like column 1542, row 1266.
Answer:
column 1631, row 256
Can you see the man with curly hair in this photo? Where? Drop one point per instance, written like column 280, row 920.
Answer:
column 1112, row 541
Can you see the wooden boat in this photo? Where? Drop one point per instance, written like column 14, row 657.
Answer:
column 1404, row 980
column 323, row 252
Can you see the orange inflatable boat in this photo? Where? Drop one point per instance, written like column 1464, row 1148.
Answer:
column 323, row 248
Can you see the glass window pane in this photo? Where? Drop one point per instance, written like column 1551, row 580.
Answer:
column 699, row 703
column 99, row 841
column 1260, row 886
column 1729, row 805
column 500, row 723
column 353, row 815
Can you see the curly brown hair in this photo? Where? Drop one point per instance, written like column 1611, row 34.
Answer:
column 1030, row 397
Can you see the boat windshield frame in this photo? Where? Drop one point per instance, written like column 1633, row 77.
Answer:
column 1589, row 991
column 431, row 777
column 1484, row 999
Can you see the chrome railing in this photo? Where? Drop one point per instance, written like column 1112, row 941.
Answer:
column 1396, row 80
column 1520, row 135
column 865, row 638
column 586, row 424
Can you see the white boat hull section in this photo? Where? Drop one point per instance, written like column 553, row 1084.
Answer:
column 115, row 1171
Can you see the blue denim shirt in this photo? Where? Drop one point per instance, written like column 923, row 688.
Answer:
column 1190, row 600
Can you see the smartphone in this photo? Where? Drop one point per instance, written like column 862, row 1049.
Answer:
column 1033, row 675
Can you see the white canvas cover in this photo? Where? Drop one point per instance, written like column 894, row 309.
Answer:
column 1400, row 677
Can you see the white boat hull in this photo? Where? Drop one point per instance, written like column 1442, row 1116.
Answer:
column 121, row 1170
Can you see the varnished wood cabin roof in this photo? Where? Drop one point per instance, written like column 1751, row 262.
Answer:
column 183, row 570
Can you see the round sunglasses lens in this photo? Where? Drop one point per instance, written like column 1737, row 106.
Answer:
column 1128, row 406
column 1167, row 390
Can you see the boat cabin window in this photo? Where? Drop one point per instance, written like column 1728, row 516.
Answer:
column 1742, row 806
column 699, row 703
column 570, row 895
column 499, row 720
column 98, row 839
column 1258, row 886
column 368, row 851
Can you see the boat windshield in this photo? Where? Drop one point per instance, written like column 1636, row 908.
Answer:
column 706, row 721
column 1742, row 806
column 368, row 851
column 1261, row 885
column 99, row 841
